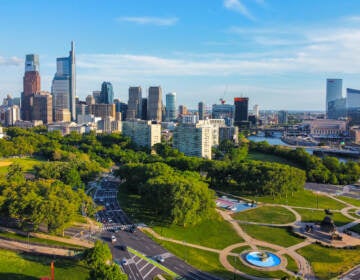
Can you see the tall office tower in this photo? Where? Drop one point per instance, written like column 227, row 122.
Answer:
column 333, row 91
column 282, row 117
column 170, row 106
column 134, row 103
column 120, row 107
column 183, row 110
column 97, row 96
column 42, row 107
column 107, row 93
column 201, row 110
column 353, row 106
column 90, row 100
column 256, row 110
column 241, row 110
column 154, row 104
column 31, row 85
column 64, row 84
column 144, row 108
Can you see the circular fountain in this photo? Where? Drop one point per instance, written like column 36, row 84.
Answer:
column 262, row 259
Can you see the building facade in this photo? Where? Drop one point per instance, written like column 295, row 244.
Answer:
column 333, row 91
column 134, row 103
column 154, row 104
column 170, row 107
column 107, row 93
column 31, row 85
column 142, row 133
column 201, row 110
column 194, row 139
column 241, row 105
column 42, row 107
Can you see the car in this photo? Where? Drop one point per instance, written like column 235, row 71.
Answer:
column 110, row 220
column 124, row 261
column 159, row 259
column 113, row 239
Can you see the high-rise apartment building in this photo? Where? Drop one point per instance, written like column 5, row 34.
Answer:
column 241, row 110
column 142, row 133
column 201, row 110
column 170, row 106
column 107, row 93
column 31, row 85
column 154, row 105
column 42, row 107
column 64, row 84
column 194, row 139
column 134, row 103
column 333, row 91
column 183, row 110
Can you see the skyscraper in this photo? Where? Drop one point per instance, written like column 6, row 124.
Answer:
column 154, row 104
column 42, row 107
column 31, row 85
column 170, row 106
column 241, row 110
column 64, row 84
column 333, row 91
column 134, row 103
column 107, row 93
column 144, row 108
column 201, row 109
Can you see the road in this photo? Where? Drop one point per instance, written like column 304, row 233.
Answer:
column 348, row 190
column 116, row 222
column 353, row 274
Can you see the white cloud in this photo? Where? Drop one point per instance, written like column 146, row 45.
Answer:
column 150, row 20
column 239, row 7
column 8, row 61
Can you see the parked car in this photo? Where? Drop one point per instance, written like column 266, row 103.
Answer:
column 159, row 259
column 113, row 239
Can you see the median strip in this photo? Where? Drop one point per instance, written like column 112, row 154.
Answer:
column 163, row 268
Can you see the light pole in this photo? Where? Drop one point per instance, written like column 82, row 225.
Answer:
column 317, row 200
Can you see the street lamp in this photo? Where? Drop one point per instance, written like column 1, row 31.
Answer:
column 317, row 199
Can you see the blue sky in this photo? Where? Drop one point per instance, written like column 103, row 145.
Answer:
column 276, row 52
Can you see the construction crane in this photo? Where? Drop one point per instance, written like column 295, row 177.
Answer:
column 222, row 99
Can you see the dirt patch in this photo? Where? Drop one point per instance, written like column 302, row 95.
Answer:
column 5, row 163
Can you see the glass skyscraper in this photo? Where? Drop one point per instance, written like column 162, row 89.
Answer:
column 333, row 91
column 171, row 106
column 64, row 84
column 107, row 93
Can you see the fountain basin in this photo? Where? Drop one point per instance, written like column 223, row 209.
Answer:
column 259, row 259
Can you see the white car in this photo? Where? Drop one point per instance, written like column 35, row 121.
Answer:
column 124, row 261
column 159, row 259
column 113, row 239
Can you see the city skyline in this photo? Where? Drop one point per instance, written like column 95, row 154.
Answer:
column 276, row 53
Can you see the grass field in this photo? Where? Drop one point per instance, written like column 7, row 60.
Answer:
column 291, row 264
column 276, row 235
column 202, row 260
column 15, row 266
column 35, row 240
column 317, row 216
column 266, row 214
column 303, row 198
column 215, row 233
column 235, row 262
column 328, row 263
column 26, row 163
column 253, row 155
column 353, row 201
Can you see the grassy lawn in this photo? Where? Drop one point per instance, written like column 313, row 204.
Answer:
column 239, row 250
column 215, row 233
column 328, row 263
column 26, row 163
column 35, row 240
column 353, row 201
column 355, row 228
column 202, row 260
column 275, row 235
column 353, row 213
column 253, row 155
column 266, row 214
column 291, row 264
column 15, row 266
column 317, row 216
column 235, row 262
column 303, row 198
